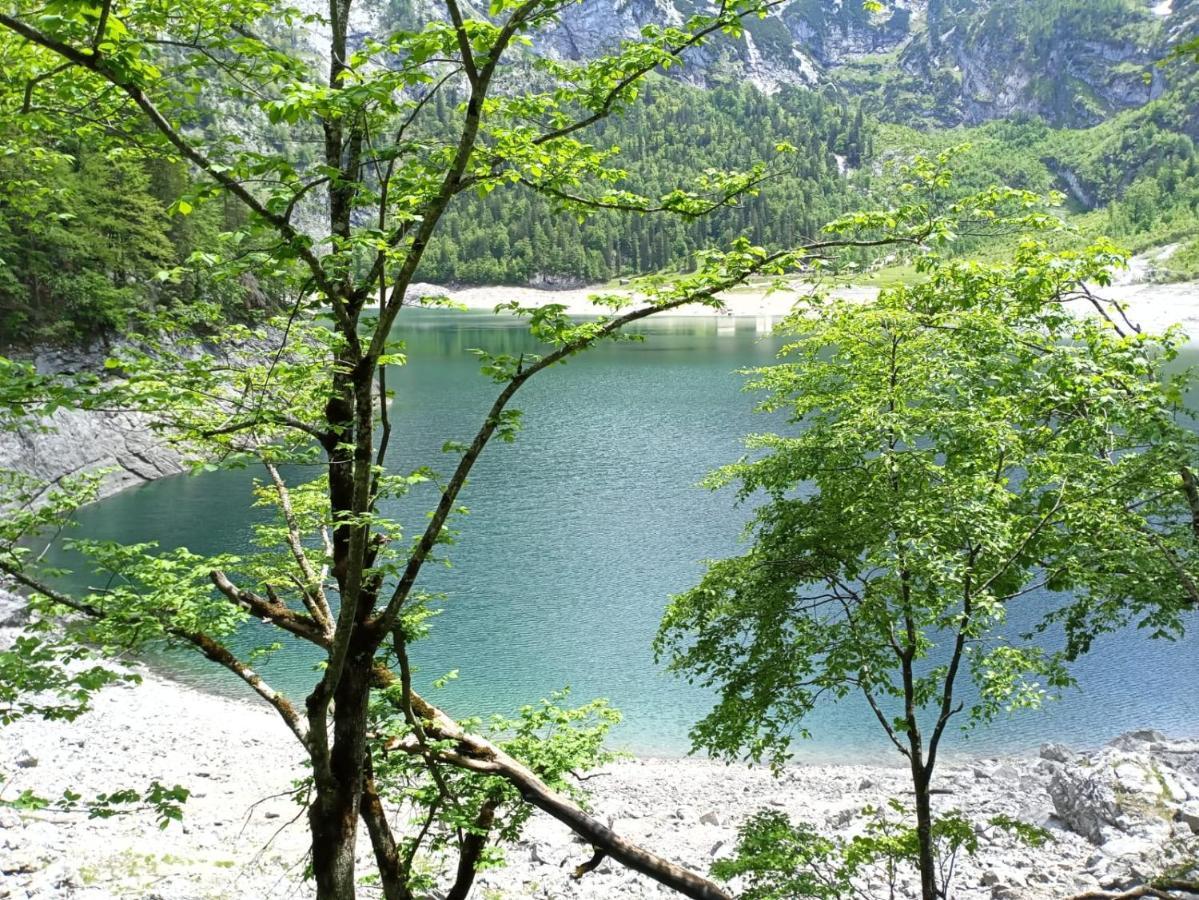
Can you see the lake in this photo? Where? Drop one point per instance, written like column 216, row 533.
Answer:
column 580, row 531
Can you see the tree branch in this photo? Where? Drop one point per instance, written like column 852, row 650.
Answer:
column 1164, row 889
column 1190, row 489
column 477, row 754
column 211, row 648
column 449, row 496
column 274, row 612
column 313, row 591
column 468, row 56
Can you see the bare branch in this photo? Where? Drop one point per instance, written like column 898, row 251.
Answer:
column 476, row 754
column 468, row 56
column 313, row 591
column 273, row 611
column 1165, row 889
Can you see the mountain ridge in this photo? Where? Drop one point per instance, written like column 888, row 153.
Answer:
column 949, row 62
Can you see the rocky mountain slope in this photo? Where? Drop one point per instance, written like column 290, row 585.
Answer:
column 948, row 62
column 1071, row 62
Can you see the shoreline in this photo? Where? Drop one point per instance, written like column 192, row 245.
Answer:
column 1151, row 305
column 242, row 835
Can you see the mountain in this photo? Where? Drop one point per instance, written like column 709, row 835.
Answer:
column 945, row 62
column 1063, row 95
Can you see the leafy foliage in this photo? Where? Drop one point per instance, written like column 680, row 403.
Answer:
column 968, row 440
column 165, row 802
column 43, row 677
column 779, row 859
column 84, row 235
column 337, row 567
column 556, row 742
column 957, row 448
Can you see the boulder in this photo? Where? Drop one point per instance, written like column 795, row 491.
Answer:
column 26, row 760
column 1138, row 740
column 1127, row 798
column 1057, row 753
column 14, row 611
column 1085, row 801
column 1188, row 814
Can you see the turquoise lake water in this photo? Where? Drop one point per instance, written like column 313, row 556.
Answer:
column 580, row 531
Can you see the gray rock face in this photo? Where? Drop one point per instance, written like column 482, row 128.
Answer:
column 1057, row 753
column 75, row 441
column 124, row 445
column 1078, row 83
column 13, row 611
column 971, row 65
column 995, row 67
column 590, row 29
column 78, row 441
column 1133, row 799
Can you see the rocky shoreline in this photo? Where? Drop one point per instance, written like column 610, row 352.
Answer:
column 1114, row 814
column 121, row 444
column 76, row 441
column 1151, row 305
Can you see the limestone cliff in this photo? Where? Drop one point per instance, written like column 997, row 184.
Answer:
column 73, row 441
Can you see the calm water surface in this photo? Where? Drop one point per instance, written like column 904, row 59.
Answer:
column 580, row 531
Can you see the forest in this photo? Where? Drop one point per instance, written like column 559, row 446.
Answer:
column 1132, row 176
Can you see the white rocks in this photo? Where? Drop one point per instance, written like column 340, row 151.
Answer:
column 1057, row 753
column 1134, row 784
column 1135, row 741
column 1131, row 799
column 1127, row 847
column 233, row 755
column 14, row 612
column 1188, row 814
column 1084, row 802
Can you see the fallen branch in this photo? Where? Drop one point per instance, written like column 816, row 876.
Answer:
column 1162, row 889
column 477, row 754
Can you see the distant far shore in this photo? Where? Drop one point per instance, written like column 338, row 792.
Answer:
column 1154, row 307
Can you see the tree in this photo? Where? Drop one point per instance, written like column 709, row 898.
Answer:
column 958, row 449
column 337, row 570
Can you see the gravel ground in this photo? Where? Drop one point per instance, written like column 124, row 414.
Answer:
column 243, row 837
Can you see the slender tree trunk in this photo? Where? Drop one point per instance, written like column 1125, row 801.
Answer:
column 924, row 830
column 470, row 852
column 1190, row 489
column 331, row 818
column 921, row 771
column 334, row 814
